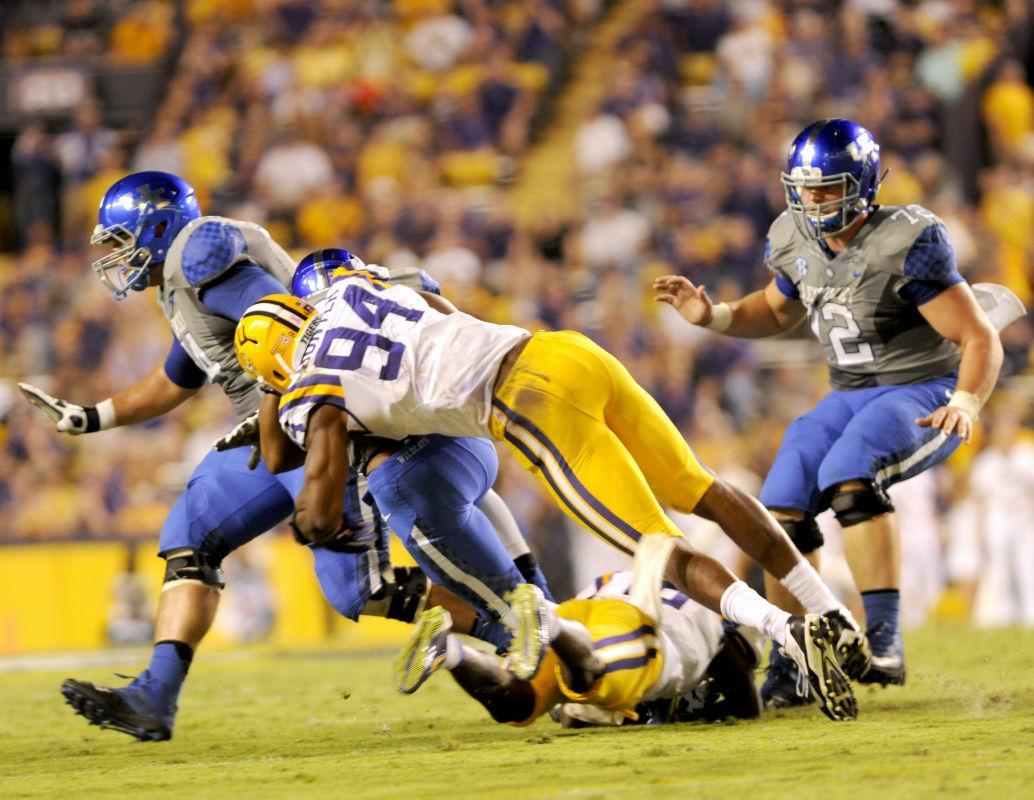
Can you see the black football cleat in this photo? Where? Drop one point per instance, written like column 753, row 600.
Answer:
column 809, row 643
column 783, row 687
column 888, row 661
column 852, row 646
column 126, row 709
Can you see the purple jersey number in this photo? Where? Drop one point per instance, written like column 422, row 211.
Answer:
column 372, row 310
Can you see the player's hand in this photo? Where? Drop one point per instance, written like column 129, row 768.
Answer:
column 690, row 301
column 68, row 417
column 950, row 419
column 246, row 432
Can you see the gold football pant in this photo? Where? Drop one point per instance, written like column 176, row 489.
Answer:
column 626, row 640
column 603, row 447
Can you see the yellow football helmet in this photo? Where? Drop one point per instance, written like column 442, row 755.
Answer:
column 266, row 336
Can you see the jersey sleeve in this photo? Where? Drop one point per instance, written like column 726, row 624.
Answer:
column 181, row 369
column 211, row 250
column 778, row 255
column 304, row 396
column 930, row 265
column 231, row 293
column 371, row 273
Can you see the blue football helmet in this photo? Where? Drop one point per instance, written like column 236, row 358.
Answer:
column 830, row 153
column 312, row 276
column 139, row 216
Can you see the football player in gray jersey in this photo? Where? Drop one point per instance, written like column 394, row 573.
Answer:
column 912, row 359
column 207, row 270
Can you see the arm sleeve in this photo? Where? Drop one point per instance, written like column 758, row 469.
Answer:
column 181, row 369
column 232, row 292
column 931, row 265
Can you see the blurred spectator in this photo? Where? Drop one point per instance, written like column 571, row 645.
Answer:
column 36, row 182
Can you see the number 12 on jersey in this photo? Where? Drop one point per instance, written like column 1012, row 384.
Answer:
column 845, row 337
column 372, row 311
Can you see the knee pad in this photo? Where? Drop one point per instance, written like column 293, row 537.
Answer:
column 852, row 506
column 192, row 566
column 402, row 599
column 804, row 533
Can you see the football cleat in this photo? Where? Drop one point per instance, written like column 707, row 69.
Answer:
column 424, row 653
column 809, row 643
column 126, row 709
column 852, row 646
column 530, row 626
column 888, row 661
column 783, row 687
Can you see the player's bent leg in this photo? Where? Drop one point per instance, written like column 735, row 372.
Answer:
column 224, row 506
column 428, row 497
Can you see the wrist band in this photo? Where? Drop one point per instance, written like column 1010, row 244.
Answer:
column 106, row 414
column 721, row 317
column 967, row 402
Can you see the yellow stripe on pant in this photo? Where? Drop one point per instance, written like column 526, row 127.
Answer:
column 604, row 448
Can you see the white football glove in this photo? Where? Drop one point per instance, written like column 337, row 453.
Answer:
column 245, row 433
column 69, row 418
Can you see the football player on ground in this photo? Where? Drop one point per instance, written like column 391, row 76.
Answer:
column 389, row 364
column 626, row 648
column 912, row 359
column 207, row 270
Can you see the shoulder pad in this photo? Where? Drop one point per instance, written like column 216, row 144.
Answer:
column 781, row 240
column 212, row 248
column 896, row 231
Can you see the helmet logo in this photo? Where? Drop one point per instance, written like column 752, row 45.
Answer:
column 283, row 344
column 146, row 196
column 861, row 147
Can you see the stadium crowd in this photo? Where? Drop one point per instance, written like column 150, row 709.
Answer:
column 397, row 129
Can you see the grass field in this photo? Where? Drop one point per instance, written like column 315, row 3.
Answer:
column 258, row 725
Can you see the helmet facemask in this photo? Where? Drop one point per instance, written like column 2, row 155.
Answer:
column 126, row 266
column 829, row 217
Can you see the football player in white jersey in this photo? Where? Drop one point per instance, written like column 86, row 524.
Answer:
column 628, row 646
column 206, row 271
column 378, row 359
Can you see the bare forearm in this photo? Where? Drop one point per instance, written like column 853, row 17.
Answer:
column 149, row 397
column 980, row 365
column 754, row 318
column 279, row 453
column 319, row 507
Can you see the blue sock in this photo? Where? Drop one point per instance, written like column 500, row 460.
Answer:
column 529, row 569
column 881, row 616
column 493, row 632
column 164, row 676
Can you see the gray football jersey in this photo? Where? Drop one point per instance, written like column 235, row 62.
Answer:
column 862, row 303
column 216, row 245
column 203, row 251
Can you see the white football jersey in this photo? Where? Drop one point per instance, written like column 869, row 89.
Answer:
column 690, row 635
column 397, row 367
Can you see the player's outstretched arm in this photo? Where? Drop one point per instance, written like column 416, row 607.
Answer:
column 155, row 394
column 763, row 313
column 955, row 314
column 320, row 504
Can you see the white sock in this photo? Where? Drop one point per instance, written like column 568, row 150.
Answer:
column 742, row 605
column 453, row 652
column 804, row 583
